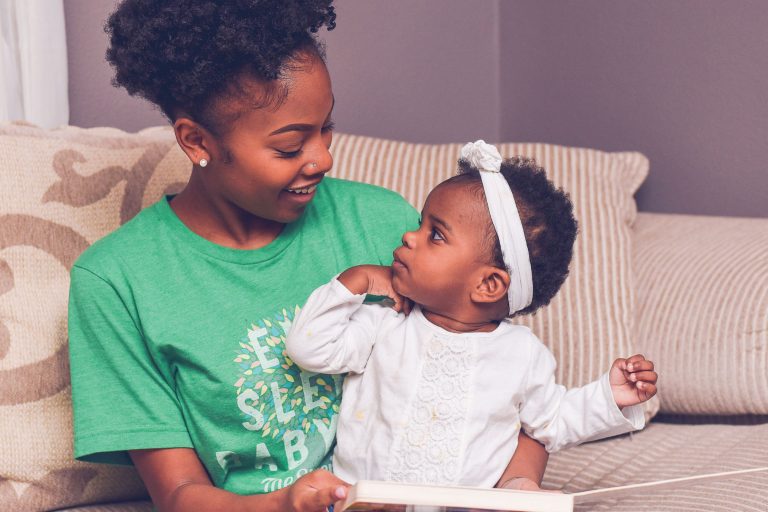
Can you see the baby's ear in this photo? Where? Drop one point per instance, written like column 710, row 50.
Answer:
column 492, row 285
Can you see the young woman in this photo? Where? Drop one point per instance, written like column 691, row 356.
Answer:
column 177, row 319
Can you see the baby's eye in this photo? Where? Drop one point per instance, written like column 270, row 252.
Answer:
column 435, row 235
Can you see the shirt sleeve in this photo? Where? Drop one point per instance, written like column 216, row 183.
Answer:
column 559, row 418
column 334, row 332
column 121, row 399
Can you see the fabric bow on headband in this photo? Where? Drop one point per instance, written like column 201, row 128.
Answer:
column 506, row 221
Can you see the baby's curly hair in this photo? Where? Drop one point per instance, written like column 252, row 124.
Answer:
column 184, row 55
column 548, row 223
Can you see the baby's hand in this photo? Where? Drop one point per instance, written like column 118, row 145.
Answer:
column 374, row 280
column 633, row 380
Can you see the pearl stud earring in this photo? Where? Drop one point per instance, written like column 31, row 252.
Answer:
column 203, row 162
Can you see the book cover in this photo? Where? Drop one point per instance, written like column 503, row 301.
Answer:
column 368, row 495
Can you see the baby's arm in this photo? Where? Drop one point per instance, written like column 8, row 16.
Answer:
column 333, row 333
column 526, row 469
column 560, row 418
column 374, row 280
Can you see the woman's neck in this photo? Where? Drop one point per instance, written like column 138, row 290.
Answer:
column 221, row 222
column 453, row 324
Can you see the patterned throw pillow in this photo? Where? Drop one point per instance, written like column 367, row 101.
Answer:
column 590, row 322
column 60, row 190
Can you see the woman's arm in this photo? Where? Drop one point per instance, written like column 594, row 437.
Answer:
column 177, row 481
column 528, row 462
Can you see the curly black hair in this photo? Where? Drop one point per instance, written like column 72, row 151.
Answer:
column 548, row 223
column 184, row 55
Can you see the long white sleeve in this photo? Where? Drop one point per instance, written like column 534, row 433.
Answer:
column 334, row 332
column 559, row 418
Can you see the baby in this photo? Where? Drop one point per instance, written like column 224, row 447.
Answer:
column 439, row 395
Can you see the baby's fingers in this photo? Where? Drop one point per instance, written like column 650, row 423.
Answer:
column 650, row 377
column 638, row 365
column 402, row 304
column 407, row 305
column 636, row 359
column 646, row 390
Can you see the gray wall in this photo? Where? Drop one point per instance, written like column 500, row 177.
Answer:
column 416, row 70
column 683, row 81
column 92, row 100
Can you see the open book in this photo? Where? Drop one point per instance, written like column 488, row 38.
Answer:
column 369, row 495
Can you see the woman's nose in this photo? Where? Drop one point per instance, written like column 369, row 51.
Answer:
column 323, row 161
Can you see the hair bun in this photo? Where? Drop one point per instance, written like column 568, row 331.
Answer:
column 181, row 53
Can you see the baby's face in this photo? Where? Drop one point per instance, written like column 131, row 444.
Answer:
column 437, row 263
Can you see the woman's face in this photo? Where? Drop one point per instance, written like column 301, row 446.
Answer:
column 272, row 159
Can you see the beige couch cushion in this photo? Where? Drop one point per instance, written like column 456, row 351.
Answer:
column 59, row 191
column 665, row 451
column 590, row 322
column 703, row 297
column 133, row 506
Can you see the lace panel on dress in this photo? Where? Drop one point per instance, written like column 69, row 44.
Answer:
column 429, row 448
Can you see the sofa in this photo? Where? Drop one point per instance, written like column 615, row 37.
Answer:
column 689, row 292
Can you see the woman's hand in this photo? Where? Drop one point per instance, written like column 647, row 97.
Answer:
column 314, row 492
column 177, row 482
column 374, row 280
column 633, row 380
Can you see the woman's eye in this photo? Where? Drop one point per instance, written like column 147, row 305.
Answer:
column 435, row 235
column 329, row 126
column 288, row 154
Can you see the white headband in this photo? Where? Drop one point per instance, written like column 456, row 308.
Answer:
column 506, row 220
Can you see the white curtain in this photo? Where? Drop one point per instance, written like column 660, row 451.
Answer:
column 33, row 62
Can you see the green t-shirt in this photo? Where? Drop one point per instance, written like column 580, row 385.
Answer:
column 179, row 342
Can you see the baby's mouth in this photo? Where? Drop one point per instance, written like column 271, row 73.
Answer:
column 397, row 262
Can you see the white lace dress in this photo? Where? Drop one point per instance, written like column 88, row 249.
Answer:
column 425, row 405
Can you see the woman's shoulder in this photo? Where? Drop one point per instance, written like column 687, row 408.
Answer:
column 358, row 192
column 339, row 199
column 135, row 236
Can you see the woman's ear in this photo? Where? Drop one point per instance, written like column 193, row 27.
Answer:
column 194, row 140
column 492, row 285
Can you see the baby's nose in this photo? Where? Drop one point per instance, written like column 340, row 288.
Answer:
column 408, row 238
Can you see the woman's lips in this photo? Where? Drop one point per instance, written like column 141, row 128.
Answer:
column 307, row 189
column 301, row 195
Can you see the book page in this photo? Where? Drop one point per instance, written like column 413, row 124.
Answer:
column 675, row 483
column 394, row 497
column 369, row 495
